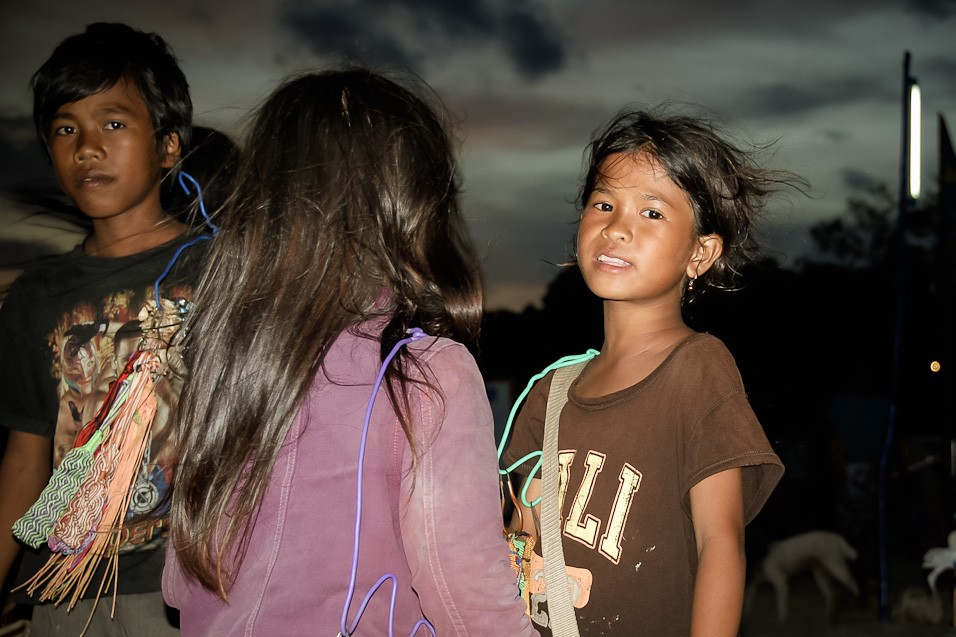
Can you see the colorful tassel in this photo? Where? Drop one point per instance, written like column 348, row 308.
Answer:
column 89, row 528
column 38, row 522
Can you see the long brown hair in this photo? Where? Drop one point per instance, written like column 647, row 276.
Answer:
column 345, row 208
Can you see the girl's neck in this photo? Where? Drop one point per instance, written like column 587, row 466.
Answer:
column 629, row 331
column 651, row 346
column 635, row 344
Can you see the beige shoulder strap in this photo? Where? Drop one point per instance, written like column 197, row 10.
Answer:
column 560, row 608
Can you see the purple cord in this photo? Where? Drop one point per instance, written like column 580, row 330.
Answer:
column 415, row 334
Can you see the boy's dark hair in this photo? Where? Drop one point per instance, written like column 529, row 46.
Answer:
column 88, row 63
column 727, row 189
column 211, row 160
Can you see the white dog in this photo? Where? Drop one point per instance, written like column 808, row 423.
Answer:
column 823, row 553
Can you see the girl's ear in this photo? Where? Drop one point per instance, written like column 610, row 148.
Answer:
column 171, row 149
column 709, row 248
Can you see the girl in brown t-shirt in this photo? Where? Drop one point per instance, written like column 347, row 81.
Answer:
column 662, row 461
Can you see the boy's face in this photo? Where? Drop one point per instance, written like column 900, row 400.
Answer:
column 105, row 156
column 637, row 240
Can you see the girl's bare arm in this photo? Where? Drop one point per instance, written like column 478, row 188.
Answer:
column 717, row 511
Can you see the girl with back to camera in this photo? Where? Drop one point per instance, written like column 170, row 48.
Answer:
column 661, row 459
column 303, row 487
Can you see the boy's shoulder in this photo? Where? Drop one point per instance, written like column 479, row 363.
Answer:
column 45, row 270
column 76, row 274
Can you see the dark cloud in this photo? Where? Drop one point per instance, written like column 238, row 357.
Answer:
column 944, row 66
column 344, row 33
column 936, row 75
column 530, row 122
column 680, row 23
column 453, row 17
column 859, row 181
column 933, row 8
column 530, row 242
column 788, row 100
column 533, row 43
column 835, row 135
column 406, row 33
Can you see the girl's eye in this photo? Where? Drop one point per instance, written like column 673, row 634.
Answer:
column 114, row 125
column 63, row 130
column 650, row 213
column 603, row 206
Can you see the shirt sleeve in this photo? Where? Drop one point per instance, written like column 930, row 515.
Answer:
column 451, row 519
column 26, row 392
column 729, row 436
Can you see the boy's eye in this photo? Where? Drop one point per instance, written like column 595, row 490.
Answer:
column 115, row 125
column 64, row 130
column 603, row 206
column 650, row 213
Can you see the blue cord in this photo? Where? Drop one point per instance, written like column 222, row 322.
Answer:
column 213, row 228
column 415, row 334
column 561, row 362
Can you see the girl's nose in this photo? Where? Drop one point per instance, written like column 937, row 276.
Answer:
column 616, row 230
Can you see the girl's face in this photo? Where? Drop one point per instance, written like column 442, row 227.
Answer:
column 636, row 238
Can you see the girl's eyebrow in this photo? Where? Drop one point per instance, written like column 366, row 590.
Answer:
column 603, row 189
column 649, row 197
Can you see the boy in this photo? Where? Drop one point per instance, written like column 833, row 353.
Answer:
column 113, row 112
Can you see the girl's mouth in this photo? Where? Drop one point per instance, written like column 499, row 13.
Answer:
column 621, row 263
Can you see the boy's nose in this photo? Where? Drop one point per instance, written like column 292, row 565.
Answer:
column 88, row 146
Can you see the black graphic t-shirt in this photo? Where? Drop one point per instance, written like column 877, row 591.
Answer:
column 67, row 328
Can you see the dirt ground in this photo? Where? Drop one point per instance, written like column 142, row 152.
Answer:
column 854, row 618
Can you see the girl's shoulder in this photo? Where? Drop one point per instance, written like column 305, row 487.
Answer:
column 442, row 357
column 702, row 344
column 430, row 347
column 703, row 358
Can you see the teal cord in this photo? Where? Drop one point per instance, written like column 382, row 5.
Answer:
column 561, row 362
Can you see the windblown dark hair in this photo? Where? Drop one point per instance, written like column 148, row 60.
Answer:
column 94, row 61
column 345, row 209
column 726, row 187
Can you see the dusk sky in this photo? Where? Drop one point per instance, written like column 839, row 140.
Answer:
column 528, row 82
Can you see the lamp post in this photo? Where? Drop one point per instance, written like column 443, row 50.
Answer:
column 911, row 156
column 909, row 191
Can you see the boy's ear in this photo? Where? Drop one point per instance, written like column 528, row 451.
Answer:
column 708, row 249
column 171, row 149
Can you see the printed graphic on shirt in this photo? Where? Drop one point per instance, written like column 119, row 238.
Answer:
column 90, row 346
column 601, row 531
column 586, row 527
column 578, row 582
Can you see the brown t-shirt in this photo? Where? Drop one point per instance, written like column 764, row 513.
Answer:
column 628, row 461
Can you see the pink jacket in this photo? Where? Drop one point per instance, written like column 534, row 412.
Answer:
column 437, row 528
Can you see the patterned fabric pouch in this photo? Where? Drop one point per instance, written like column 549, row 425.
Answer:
column 520, row 544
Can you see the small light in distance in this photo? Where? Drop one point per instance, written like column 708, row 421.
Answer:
column 935, row 366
